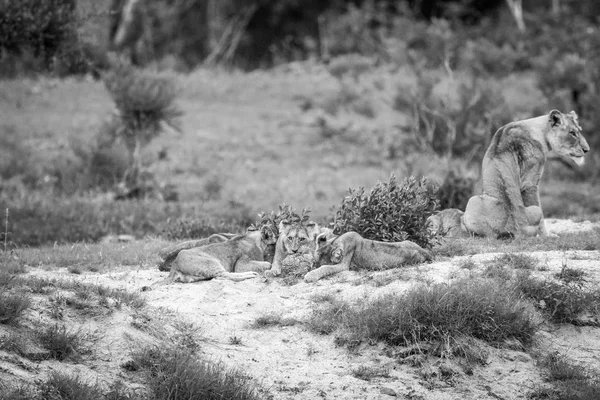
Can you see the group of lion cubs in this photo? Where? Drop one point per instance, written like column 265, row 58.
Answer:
column 509, row 207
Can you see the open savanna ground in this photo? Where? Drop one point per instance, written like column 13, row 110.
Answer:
column 495, row 320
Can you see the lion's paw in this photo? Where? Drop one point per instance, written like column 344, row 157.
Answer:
column 311, row 277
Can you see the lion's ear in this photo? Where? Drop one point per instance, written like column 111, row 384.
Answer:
column 267, row 235
column 321, row 238
column 556, row 118
column 574, row 116
column 312, row 229
column 284, row 223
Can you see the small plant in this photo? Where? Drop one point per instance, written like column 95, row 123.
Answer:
column 60, row 342
column 570, row 275
column 12, row 306
column 391, row 212
column 235, row 340
column 367, row 373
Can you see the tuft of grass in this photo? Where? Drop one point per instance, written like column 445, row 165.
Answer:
column 367, row 373
column 441, row 314
column 176, row 374
column 12, row 305
column 570, row 381
column 570, row 275
column 65, row 387
column 272, row 319
column 235, row 340
column 516, row 261
column 562, row 302
column 61, row 342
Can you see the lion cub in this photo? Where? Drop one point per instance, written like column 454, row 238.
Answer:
column 351, row 250
column 511, row 171
column 239, row 258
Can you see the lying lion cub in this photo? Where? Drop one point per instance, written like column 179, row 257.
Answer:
column 239, row 258
column 511, row 172
column 168, row 254
column 352, row 250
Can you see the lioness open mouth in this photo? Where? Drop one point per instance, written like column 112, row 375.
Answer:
column 579, row 160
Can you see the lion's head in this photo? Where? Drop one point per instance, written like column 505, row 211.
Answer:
column 565, row 138
column 326, row 252
column 297, row 238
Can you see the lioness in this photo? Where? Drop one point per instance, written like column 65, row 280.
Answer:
column 512, row 168
column 168, row 254
column 238, row 258
column 294, row 239
column 352, row 250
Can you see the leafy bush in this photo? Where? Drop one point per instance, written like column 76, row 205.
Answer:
column 176, row 374
column 440, row 314
column 284, row 213
column 12, row 305
column 391, row 212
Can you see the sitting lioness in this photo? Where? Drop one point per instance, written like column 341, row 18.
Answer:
column 352, row 250
column 511, row 172
column 295, row 239
column 239, row 258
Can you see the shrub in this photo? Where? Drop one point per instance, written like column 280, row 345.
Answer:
column 144, row 102
column 455, row 120
column 284, row 213
column 12, row 305
column 272, row 319
column 391, row 212
column 175, row 374
column 442, row 314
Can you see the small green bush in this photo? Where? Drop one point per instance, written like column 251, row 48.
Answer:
column 391, row 212
column 12, row 305
column 176, row 374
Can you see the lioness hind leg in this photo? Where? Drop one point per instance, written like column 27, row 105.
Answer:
column 485, row 216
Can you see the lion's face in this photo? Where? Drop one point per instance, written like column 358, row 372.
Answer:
column 326, row 252
column 297, row 238
column 565, row 137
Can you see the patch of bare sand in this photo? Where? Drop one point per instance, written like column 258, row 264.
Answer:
column 298, row 364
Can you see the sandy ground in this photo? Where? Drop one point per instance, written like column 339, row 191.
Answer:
column 295, row 363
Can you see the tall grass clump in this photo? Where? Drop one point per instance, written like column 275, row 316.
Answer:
column 61, row 342
column 390, row 212
column 176, row 374
column 12, row 306
column 64, row 387
column 440, row 314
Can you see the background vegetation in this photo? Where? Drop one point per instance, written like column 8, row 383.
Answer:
column 410, row 88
